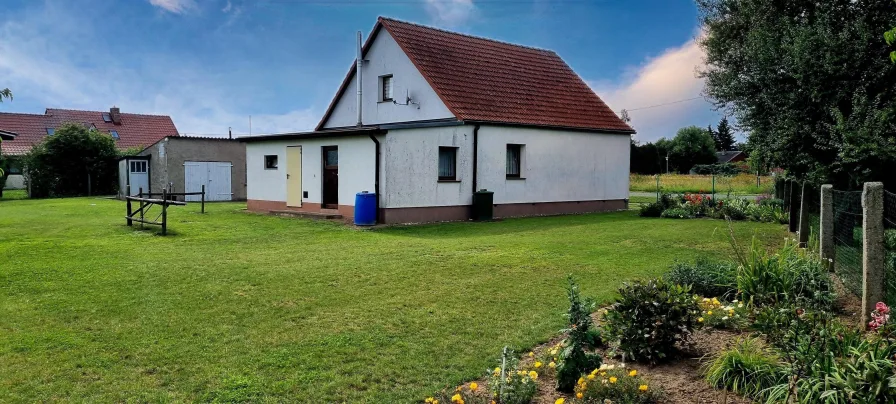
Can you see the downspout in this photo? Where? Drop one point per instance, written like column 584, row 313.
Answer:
column 376, row 179
column 358, row 62
column 475, row 156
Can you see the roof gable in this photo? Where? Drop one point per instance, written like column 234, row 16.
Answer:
column 481, row 79
column 135, row 130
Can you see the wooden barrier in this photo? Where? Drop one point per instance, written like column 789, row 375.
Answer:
column 169, row 194
column 145, row 205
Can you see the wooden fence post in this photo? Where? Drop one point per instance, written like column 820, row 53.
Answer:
column 826, row 234
column 127, row 195
column 803, row 232
column 873, row 289
column 141, row 207
column 794, row 219
column 164, row 211
column 203, row 199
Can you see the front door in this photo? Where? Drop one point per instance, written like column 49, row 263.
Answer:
column 294, row 176
column 330, row 190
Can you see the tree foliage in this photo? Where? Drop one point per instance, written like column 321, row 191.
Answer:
column 692, row 145
column 809, row 80
column 5, row 93
column 723, row 136
column 73, row 157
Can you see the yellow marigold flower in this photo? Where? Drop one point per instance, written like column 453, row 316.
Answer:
column 603, row 373
column 709, row 312
column 613, row 379
column 497, row 371
column 435, row 401
column 537, row 364
column 428, row 400
column 591, row 377
column 533, row 375
column 456, row 398
column 560, row 401
column 552, row 364
column 579, row 395
column 700, row 320
column 581, row 380
column 633, row 373
column 474, row 386
column 642, row 387
column 531, row 354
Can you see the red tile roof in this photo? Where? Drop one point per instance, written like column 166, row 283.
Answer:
column 481, row 79
column 136, row 130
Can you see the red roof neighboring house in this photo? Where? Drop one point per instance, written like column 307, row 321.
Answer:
column 485, row 80
column 132, row 130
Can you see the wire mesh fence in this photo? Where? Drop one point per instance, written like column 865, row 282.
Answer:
column 813, row 208
column 848, row 239
column 890, row 245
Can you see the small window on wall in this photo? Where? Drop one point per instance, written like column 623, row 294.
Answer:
column 515, row 160
column 270, row 162
column 447, row 163
column 386, row 88
column 138, row 166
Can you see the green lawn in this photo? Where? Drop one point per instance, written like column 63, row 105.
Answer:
column 235, row 306
column 12, row 194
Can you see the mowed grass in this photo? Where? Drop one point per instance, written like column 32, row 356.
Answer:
column 679, row 183
column 234, row 306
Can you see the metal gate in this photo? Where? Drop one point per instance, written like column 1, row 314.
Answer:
column 215, row 175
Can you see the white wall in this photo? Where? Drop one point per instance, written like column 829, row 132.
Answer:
column 385, row 57
column 411, row 169
column 357, row 156
column 558, row 165
column 15, row 181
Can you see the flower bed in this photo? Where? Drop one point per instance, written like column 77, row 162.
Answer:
column 689, row 206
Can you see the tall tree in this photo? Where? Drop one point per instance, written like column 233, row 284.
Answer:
column 723, row 136
column 692, row 145
column 5, row 93
column 809, row 80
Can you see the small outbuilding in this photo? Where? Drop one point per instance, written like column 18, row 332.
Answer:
column 185, row 164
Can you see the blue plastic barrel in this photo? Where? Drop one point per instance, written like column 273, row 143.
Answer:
column 365, row 209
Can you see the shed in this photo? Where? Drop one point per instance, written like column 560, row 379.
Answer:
column 185, row 164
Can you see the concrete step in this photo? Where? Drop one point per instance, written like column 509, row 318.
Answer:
column 323, row 215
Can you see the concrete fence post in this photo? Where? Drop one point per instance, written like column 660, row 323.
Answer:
column 826, row 232
column 803, row 231
column 872, row 248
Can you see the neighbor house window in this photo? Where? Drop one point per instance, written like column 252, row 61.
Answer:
column 270, row 162
column 386, row 88
column 514, row 160
column 114, row 134
column 51, row 131
column 447, row 163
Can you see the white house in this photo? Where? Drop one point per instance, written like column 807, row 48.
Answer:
column 441, row 115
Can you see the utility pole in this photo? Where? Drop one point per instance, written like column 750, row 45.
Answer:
column 667, row 163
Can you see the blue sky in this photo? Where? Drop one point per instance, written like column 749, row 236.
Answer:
column 210, row 64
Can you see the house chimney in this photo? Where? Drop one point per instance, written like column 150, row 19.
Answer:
column 115, row 113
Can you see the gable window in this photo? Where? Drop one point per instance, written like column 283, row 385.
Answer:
column 386, row 88
column 447, row 163
column 270, row 162
column 515, row 160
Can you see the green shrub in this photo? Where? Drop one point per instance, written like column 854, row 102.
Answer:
column 617, row 385
column 747, row 369
column 650, row 318
column 791, row 275
column 574, row 360
column 723, row 315
column 517, row 386
column 654, row 209
column 705, row 277
column 734, row 209
column 677, row 213
column 774, row 202
column 72, row 161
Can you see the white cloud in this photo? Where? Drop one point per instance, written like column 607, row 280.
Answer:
column 227, row 7
column 668, row 78
column 49, row 62
column 174, row 6
column 450, row 12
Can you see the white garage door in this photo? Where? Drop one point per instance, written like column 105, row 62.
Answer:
column 215, row 175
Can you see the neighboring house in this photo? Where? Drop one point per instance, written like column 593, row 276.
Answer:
column 128, row 130
column 731, row 156
column 185, row 164
column 442, row 115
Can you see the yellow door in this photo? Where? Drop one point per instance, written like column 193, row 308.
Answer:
column 294, row 176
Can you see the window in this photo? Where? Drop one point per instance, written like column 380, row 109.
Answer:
column 14, row 169
column 447, row 163
column 138, row 166
column 114, row 134
column 331, row 154
column 51, row 131
column 515, row 160
column 386, row 88
column 270, row 162
column 107, row 117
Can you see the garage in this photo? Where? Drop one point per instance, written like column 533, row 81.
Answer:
column 215, row 175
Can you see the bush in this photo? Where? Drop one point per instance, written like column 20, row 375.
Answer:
column 654, row 209
column 677, row 213
column 791, row 275
column 574, row 361
column 65, row 163
column 705, row 277
column 747, row 369
column 718, row 314
column 734, row 209
column 616, row 385
column 650, row 318
column 516, row 387
column 773, row 202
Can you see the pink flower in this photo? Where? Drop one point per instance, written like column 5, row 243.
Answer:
column 882, row 308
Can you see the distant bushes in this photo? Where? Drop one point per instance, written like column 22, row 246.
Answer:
column 689, row 206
